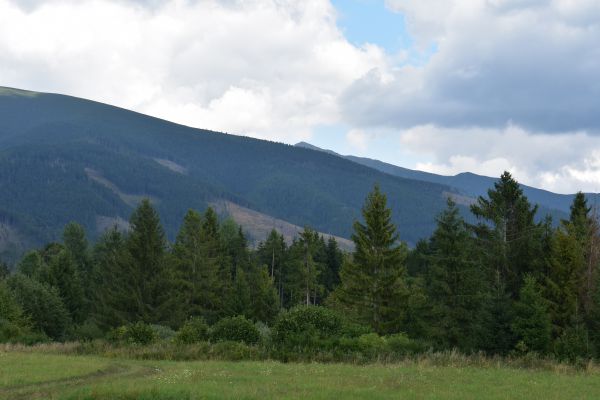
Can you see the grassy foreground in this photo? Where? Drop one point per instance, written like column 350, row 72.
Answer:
column 30, row 375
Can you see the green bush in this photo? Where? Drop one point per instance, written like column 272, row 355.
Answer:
column 87, row 331
column 401, row 344
column 234, row 351
column 139, row 333
column 235, row 329
column 117, row 335
column 306, row 327
column 162, row 332
column 42, row 305
column 572, row 345
column 194, row 330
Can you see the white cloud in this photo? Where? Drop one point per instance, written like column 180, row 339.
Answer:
column 533, row 62
column 358, row 140
column 513, row 84
column 562, row 163
column 267, row 68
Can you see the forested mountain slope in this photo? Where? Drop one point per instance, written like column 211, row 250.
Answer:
column 469, row 184
column 63, row 158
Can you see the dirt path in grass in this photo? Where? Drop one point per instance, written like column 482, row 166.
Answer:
column 42, row 390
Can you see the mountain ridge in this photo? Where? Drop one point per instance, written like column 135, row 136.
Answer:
column 467, row 182
column 63, row 158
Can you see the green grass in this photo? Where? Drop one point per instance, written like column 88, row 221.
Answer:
column 31, row 375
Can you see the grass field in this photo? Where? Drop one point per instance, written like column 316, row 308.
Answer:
column 31, row 375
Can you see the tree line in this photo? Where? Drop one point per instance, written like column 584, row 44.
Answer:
column 503, row 285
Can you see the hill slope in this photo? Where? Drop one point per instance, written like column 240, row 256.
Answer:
column 63, row 158
column 467, row 183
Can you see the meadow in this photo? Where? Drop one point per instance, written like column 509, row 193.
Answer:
column 27, row 373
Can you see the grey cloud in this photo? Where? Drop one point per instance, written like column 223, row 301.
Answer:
column 535, row 67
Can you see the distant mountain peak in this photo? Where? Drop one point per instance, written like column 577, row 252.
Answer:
column 306, row 145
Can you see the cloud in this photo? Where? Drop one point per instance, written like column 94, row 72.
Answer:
column 563, row 163
column 267, row 68
column 532, row 63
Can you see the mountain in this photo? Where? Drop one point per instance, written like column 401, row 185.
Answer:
column 468, row 184
column 64, row 158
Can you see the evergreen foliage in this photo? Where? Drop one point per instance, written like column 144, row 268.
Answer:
column 507, row 285
column 531, row 324
column 373, row 285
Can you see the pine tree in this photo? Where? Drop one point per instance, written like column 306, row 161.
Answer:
column 30, row 264
column 304, row 269
column 272, row 253
column 65, row 277
column 197, row 277
column 240, row 300
column 110, row 281
column 76, row 243
column 531, row 324
column 373, row 284
column 147, row 273
column 563, row 280
column 264, row 297
column 333, row 263
column 508, row 235
column 455, row 284
column 4, row 271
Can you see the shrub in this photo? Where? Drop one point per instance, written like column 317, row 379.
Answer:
column 162, row 332
column 234, row 351
column 401, row 344
column 265, row 333
column 194, row 330
column 138, row 333
column 236, row 329
column 572, row 345
column 87, row 331
column 42, row 304
column 117, row 335
column 306, row 327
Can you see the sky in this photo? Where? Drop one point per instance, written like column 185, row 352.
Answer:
column 444, row 86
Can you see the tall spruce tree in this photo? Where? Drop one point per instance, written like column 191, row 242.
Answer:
column 147, row 274
column 65, row 277
column 197, row 272
column 373, row 286
column 272, row 253
column 455, row 284
column 332, row 265
column 111, row 281
column 509, row 237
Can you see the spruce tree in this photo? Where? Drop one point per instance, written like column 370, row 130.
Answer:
column 531, row 324
column 508, row 235
column 64, row 275
column 304, row 269
column 4, row 271
column 197, row 272
column 111, row 281
column 373, row 286
column 272, row 253
column 240, row 300
column 264, row 298
column 332, row 265
column 563, row 280
column 455, row 284
column 147, row 271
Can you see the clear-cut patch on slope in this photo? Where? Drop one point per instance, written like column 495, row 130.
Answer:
column 172, row 165
column 259, row 225
column 130, row 199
